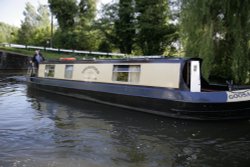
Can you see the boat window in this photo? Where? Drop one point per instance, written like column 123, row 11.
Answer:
column 126, row 73
column 49, row 70
column 68, row 71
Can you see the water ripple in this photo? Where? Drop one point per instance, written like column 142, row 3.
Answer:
column 42, row 129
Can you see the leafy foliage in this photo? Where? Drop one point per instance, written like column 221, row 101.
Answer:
column 75, row 24
column 65, row 12
column 138, row 26
column 125, row 26
column 154, row 32
column 106, row 25
column 35, row 29
column 218, row 32
column 87, row 12
column 7, row 33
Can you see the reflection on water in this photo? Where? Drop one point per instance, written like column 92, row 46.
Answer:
column 43, row 129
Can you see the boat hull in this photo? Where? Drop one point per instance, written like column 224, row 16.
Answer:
column 159, row 101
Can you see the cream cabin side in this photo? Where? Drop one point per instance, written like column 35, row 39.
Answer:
column 144, row 74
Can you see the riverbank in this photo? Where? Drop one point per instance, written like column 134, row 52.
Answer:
column 56, row 54
column 30, row 53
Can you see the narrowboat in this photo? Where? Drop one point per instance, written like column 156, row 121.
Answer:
column 172, row 87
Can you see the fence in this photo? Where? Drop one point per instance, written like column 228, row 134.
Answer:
column 61, row 50
column 76, row 51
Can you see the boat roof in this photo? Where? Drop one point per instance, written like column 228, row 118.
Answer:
column 144, row 59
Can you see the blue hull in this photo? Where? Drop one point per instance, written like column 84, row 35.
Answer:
column 161, row 101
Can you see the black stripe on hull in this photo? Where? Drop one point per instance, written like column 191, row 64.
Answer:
column 164, row 107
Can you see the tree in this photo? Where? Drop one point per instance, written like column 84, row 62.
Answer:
column 35, row 29
column 138, row 26
column 7, row 33
column 42, row 32
column 218, row 32
column 86, row 34
column 28, row 26
column 65, row 12
column 154, row 32
column 106, row 26
column 125, row 25
column 75, row 24
column 43, row 16
column 87, row 12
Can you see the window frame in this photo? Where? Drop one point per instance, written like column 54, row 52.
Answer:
column 69, row 72
column 49, row 71
column 126, row 70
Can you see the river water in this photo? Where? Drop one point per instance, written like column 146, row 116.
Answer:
column 46, row 130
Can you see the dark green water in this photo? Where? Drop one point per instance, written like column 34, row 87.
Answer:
column 46, row 130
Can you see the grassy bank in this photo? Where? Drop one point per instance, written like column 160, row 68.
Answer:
column 53, row 54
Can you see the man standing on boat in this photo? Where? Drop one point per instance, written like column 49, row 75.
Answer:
column 37, row 58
